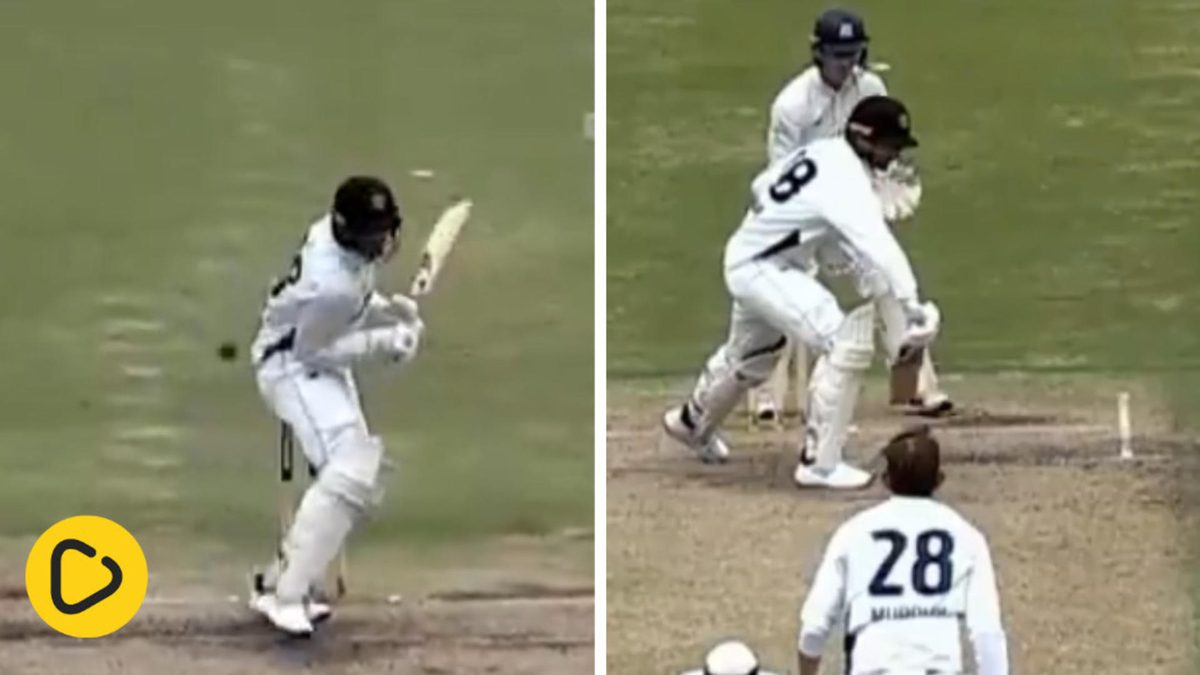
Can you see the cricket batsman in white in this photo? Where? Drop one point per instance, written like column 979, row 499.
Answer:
column 899, row 576
column 816, row 104
column 321, row 319
column 815, row 202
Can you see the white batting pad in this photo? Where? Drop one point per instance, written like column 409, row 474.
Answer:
column 717, row 392
column 320, row 528
column 835, row 387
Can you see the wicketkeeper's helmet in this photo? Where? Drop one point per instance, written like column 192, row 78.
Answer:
column 839, row 33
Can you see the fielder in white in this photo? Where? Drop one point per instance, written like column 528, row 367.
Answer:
column 817, row 104
column 899, row 576
column 321, row 319
column 814, row 203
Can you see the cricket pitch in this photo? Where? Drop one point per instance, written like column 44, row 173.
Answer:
column 1090, row 551
column 528, row 633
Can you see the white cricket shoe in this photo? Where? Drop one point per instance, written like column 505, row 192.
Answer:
column 262, row 597
column 840, row 477
column 318, row 611
column 292, row 618
column 937, row 404
column 711, row 450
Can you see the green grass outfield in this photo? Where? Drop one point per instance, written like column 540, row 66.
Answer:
column 159, row 163
column 1060, row 156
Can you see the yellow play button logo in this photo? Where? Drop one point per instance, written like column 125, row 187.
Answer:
column 86, row 576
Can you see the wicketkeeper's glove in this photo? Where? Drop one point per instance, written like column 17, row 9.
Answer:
column 899, row 191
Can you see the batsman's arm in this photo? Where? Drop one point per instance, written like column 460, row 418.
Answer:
column 861, row 222
column 320, row 344
column 389, row 310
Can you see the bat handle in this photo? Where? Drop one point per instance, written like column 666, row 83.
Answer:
column 286, row 453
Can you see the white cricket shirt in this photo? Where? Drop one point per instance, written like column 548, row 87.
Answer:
column 899, row 576
column 324, row 296
column 811, row 204
column 807, row 109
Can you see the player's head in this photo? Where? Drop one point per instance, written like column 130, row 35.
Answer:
column 731, row 658
column 879, row 130
column 914, row 463
column 839, row 44
column 366, row 218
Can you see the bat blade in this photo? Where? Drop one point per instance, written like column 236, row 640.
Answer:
column 904, row 377
column 437, row 248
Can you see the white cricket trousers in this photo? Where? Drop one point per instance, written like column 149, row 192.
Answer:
column 322, row 407
column 772, row 300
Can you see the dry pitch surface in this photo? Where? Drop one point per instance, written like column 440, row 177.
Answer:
column 1091, row 553
column 522, row 606
column 529, row 635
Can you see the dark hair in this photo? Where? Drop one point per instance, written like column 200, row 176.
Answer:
column 913, row 463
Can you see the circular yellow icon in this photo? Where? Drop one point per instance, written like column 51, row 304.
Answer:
column 86, row 576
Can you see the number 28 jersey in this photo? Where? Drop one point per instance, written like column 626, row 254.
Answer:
column 899, row 576
column 813, row 199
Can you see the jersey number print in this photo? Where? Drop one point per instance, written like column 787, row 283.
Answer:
column 799, row 174
column 288, row 279
column 932, row 573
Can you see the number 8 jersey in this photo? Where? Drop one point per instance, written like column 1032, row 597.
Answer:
column 898, row 577
column 813, row 200
column 324, row 296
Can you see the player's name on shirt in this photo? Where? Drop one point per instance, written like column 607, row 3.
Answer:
column 892, row 613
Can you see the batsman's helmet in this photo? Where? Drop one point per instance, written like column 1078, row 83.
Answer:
column 839, row 33
column 882, row 120
column 365, row 215
column 914, row 463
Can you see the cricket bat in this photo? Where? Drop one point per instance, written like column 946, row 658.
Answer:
column 287, row 473
column 904, row 377
column 437, row 248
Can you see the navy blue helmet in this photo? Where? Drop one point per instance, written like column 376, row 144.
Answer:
column 839, row 34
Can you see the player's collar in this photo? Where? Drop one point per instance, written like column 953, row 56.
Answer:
column 862, row 161
column 355, row 259
column 352, row 258
column 909, row 499
column 850, row 81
